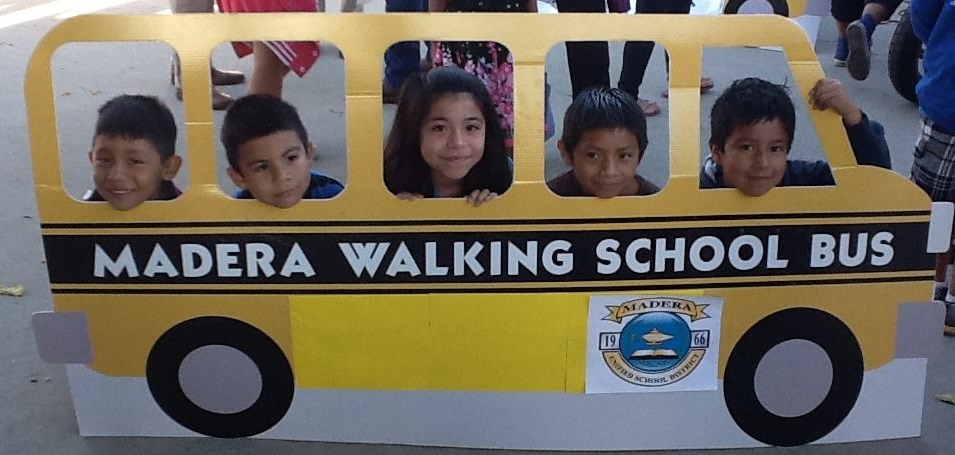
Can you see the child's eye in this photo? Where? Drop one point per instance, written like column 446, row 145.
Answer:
column 261, row 167
column 778, row 148
column 626, row 155
column 746, row 147
column 437, row 128
column 292, row 156
column 592, row 155
column 474, row 128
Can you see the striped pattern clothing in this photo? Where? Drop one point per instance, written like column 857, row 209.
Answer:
column 299, row 56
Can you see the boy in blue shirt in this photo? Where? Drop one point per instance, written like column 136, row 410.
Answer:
column 752, row 126
column 134, row 152
column 269, row 153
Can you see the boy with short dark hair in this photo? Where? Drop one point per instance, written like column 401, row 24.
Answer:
column 270, row 155
column 134, row 152
column 752, row 126
column 604, row 137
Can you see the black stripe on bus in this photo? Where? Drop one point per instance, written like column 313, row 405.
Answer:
column 470, row 290
column 485, row 222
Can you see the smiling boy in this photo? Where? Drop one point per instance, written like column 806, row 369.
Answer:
column 604, row 137
column 752, row 126
column 134, row 152
column 270, row 155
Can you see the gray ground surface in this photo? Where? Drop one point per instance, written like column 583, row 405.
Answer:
column 36, row 416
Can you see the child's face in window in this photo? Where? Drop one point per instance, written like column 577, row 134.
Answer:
column 605, row 162
column 127, row 172
column 452, row 138
column 754, row 157
column 276, row 168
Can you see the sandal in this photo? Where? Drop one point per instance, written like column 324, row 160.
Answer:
column 650, row 108
column 706, row 84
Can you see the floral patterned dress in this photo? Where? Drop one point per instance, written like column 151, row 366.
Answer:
column 489, row 61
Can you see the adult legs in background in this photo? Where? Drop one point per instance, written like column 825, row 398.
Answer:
column 636, row 54
column 855, row 22
column 404, row 58
column 587, row 61
column 220, row 101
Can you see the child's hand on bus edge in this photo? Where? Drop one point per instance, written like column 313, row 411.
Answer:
column 829, row 93
column 478, row 197
column 409, row 196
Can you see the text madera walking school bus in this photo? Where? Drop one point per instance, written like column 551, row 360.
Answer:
column 364, row 318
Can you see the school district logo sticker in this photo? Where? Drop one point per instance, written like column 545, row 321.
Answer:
column 654, row 343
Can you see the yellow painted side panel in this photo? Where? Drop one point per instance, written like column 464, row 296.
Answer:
column 361, row 342
column 123, row 328
column 497, row 342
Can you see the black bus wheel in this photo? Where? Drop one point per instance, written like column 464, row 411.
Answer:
column 793, row 377
column 220, row 377
column 780, row 7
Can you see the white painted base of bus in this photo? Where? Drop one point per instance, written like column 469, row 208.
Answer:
column 890, row 406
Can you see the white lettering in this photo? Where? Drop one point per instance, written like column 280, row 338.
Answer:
column 630, row 255
column 495, row 258
column 364, row 256
column 677, row 254
column 124, row 262
column 226, row 257
column 159, row 262
column 772, row 254
column 557, row 259
column 734, row 252
column 862, row 245
column 403, row 262
column 470, row 258
column 190, row 252
column 822, row 252
column 431, row 267
column 882, row 251
column 517, row 258
column 259, row 256
column 297, row 262
column 608, row 261
column 696, row 253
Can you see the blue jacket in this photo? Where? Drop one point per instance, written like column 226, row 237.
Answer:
column 934, row 23
column 867, row 139
column 320, row 187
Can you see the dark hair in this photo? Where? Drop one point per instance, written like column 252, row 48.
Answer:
column 138, row 117
column 749, row 101
column 603, row 108
column 406, row 170
column 255, row 116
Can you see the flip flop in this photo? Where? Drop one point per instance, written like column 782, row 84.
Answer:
column 650, row 108
column 706, row 84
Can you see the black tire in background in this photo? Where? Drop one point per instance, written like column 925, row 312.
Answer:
column 905, row 57
column 816, row 326
column 780, row 7
column 167, row 355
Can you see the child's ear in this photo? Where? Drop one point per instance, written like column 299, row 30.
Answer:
column 236, row 178
column 90, row 155
column 716, row 153
column 566, row 155
column 310, row 150
column 170, row 167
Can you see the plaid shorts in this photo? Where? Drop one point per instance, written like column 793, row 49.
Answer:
column 934, row 167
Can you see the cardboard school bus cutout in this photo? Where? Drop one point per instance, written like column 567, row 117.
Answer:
column 690, row 318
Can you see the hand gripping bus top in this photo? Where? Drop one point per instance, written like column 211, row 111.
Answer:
column 347, row 353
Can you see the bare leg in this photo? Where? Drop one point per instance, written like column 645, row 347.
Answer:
column 268, row 71
column 351, row 6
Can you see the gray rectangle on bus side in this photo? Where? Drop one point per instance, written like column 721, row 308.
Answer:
column 918, row 330
column 62, row 337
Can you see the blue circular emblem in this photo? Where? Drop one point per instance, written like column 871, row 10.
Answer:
column 655, row 342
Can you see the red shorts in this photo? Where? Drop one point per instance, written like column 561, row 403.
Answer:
column 299, row 56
